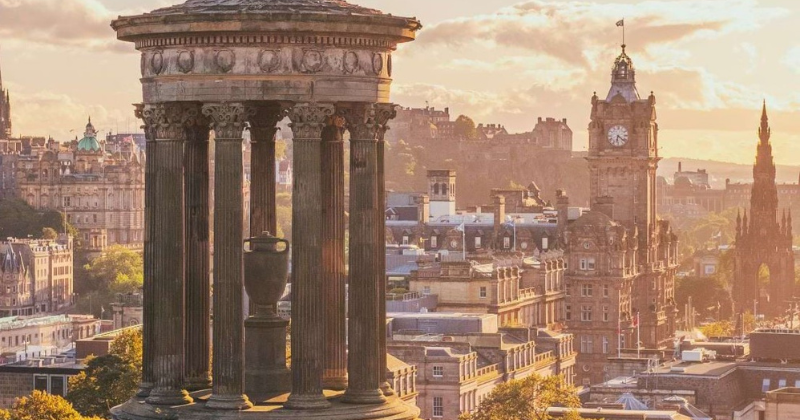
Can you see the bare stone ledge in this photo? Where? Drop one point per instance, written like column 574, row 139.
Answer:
column 392, row 409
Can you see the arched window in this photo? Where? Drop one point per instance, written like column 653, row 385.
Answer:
column 436, row 188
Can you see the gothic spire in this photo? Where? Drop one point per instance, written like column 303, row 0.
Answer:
column 764, row 130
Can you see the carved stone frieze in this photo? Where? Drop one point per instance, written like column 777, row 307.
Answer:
column 227, row 119
column 350, row 62
column 269, row 60
column 157, row 61
column 171, row 121
column 257, row 60
column 309, row 119
column 225, row 60
column 377, row 63
column 312, row 61
column 186, row 61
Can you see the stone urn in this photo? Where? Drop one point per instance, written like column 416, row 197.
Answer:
column 266, row 269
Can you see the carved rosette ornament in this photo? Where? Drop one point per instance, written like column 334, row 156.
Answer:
column 308, row 120
column 227, row 119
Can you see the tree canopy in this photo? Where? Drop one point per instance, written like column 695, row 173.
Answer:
column 117, row 270
column 19, row 220
column 527, row 399
column 465, row 128
column 42, row 406
column 109, row 380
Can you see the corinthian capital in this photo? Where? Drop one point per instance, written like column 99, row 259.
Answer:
column 308, row 120
column 227, row 119
column 367, row 121
column 264, row 119
column 383, row 114
column 169, row 121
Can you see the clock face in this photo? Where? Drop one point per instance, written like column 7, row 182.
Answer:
column 618, row 135
column 454, row 244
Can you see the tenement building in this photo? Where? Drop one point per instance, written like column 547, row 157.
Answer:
column 36, row 275
column 621, row 260
column 461, row 358
column 101, row 193
column 763, row 240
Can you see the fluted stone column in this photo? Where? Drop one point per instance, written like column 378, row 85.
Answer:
column 364, row 359
column 148, row 297
column 384, row 113
column 265, row 331
column 198, row 270
column 264, row 119
column 171, row 120
column 308, row 348
column 334, row 374
column 228, row 121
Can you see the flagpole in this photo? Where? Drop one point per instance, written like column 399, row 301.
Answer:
column 619, row 324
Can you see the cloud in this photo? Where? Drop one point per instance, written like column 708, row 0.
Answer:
column 571, row 30
column 47, row 113
column 792, row 59
column 58, row 23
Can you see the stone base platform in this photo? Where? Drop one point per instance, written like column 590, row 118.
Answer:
column 270, row 409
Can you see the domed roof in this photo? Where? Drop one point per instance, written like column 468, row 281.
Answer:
column 267, row 6
column 595, row 219
column 89, row 144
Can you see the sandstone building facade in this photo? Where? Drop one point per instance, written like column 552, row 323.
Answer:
column 621, row 258
column 101, row 193
column 36, row 276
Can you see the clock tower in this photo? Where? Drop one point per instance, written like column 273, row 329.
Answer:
column 623, row 151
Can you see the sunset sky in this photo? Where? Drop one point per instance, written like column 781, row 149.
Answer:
column 709, row 62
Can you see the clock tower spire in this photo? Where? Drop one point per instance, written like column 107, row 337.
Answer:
column 623, row 152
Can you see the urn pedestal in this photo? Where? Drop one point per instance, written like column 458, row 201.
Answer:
column 266, row 267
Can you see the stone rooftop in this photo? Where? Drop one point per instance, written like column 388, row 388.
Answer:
column 266, row 6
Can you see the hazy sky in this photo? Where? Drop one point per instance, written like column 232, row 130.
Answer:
column 709, row 62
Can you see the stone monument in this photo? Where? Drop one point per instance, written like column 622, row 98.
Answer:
column 231, row 65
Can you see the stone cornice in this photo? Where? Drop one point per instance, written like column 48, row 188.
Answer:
column 393, row 30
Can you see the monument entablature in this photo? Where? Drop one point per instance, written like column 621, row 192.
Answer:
column 279, row 50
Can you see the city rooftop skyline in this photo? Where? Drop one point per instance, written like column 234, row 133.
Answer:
column 499, row 61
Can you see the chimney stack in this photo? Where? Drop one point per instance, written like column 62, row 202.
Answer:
column 499, row 213
column 425, row 208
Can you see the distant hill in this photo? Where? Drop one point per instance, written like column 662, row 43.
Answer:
column 719, row 171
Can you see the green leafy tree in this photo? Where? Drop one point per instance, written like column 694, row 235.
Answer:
column 49, row 233
column 19, row 220
column 527, row 399
column 42, row 406
column 118, row 270
column 465, row 128
column 709, row 295
column 109, row 380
